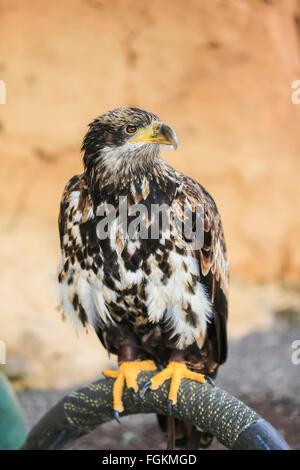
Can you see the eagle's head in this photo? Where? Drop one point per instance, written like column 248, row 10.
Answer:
column 125, row 140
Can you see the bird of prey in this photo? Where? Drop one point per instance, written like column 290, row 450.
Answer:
column 153, row 300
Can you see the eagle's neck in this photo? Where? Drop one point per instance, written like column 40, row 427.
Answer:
column 117, row 172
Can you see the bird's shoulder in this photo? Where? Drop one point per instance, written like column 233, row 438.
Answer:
column 191, row 190
column 192, row 193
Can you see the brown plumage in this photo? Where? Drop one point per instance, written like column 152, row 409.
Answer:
column 154, row 294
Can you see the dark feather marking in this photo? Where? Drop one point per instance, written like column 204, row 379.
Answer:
column 75, row 301
column 179, row 250
column 190, row 288
column 191, row 316
column 82, row 315
column 166, row 268
column 66, row 266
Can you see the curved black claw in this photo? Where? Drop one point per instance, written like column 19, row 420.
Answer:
column 117, row 416
column 135, row 395
column 210, row 380
column 146, row 386
column 170, row 407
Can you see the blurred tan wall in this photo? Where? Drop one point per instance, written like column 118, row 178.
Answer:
column 218, row 71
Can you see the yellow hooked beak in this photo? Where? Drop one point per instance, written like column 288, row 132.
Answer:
column 156, row 133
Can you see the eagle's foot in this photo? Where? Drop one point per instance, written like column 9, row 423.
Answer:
column 174, row 371
column 127, row 373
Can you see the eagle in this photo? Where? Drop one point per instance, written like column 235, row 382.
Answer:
column 158, row 302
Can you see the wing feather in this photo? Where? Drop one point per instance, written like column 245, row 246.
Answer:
column 213, row 261
column 81, row 274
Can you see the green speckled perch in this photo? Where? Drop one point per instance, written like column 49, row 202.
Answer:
column 232, row 422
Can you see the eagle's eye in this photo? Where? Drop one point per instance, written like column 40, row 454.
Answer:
column 131, row 129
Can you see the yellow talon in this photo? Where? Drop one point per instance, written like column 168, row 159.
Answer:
column 175, row 371
column 128, row 372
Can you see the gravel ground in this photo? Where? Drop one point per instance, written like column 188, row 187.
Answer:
column 259, row 371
